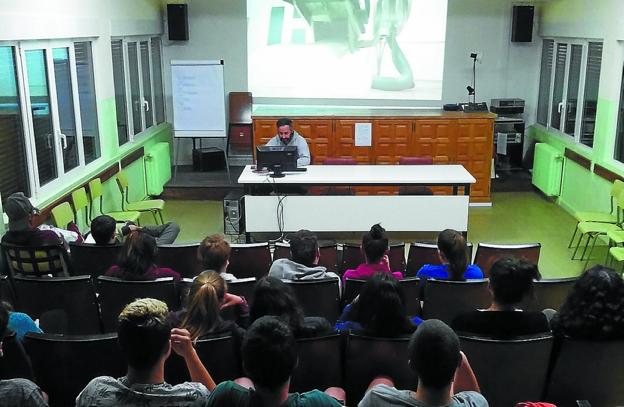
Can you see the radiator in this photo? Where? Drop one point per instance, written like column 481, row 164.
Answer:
column 547, row 168
column 157, row 168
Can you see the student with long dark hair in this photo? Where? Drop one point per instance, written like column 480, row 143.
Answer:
column 375, row 247
column 511, row 281
column 137, row 260
column 594, row 308
column 453, row 253
column 379, row 310
column 274, row 297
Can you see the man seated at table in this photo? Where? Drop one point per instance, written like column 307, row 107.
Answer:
column 286, row 136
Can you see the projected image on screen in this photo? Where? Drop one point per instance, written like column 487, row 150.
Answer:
column 346, row 49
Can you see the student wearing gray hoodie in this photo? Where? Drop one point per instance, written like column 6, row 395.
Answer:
column 303, row 264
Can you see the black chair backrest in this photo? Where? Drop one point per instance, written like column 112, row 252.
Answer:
column 250, row 260
column 328, row 252
column 410, row 286
column 318, row 298
column 93, row 259
column 367, row 358
column 445, row 299
column 115, row 294
column 421, row 253
column 243, row 288
column 14, row 362
column 181, row 258
column 220, row 356
column 488, row 253
column 64, row 365
column 320, row 363
column 588, row 370
column 352, row 256
column 64, row 305
column 550, row 293
column 509, row 371
column 37, row 260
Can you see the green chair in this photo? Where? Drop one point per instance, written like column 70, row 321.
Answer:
column 617, row 253
column 95, row 191
column 601, row 217
column 62, row 215
column 593, row 230
column 155, row 206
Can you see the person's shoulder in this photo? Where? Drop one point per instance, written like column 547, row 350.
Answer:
column 386, row 395
column 473, row 272
column 469, row 398
column 229, row 393
column 433, row 271
column 191, row 388
column 96, row 389
column 21, row 392
column 311, row 398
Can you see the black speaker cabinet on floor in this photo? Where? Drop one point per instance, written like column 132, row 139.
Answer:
column 177, row 22
column 522, row 24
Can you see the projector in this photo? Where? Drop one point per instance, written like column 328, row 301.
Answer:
column 507, row 106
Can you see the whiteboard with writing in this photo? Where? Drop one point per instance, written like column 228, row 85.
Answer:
column 198, row 98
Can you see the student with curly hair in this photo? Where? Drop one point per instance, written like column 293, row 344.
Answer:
column 379, row 310
column 137, row 260
column 375, row 247
column 511, row 281
column 274, row 297
column 594, row 308
column 452, row 250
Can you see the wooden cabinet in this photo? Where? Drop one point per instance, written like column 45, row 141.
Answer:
column 455, row 138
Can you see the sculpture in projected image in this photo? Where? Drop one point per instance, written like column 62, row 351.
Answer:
column 345, row 21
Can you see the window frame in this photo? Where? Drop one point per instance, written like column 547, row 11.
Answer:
column 580, row 97
column 138, row 39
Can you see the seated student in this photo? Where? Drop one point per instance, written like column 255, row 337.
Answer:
column 214, row 254
column 137, row 260
column 207, row 296
column 274, row 297
column 19, row 322
column 146, row 341
column 594, row 308
column 21, row 231
column 375, row 249
column 445, row 377
column 511, row 281
column 452, row 251
column 17, row 392
column 287, row 136
column 379, row 310
column 269, row 354
column 305, row 253
column 104, row 227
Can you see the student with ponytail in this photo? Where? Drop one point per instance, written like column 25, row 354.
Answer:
column 207, row 296
column 375, row 249
column 453, row 254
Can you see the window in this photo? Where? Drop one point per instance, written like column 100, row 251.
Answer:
column 569, row 80
column 619, row 140
column 48, row 114
column 137, row 74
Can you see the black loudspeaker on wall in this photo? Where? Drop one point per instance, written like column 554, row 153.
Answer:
column 522, row 24
column 177, row 22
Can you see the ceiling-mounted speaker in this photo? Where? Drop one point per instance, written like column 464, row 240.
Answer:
column 177, row 22
column 522, row 24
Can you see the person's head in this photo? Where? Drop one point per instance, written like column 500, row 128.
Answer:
column 381, row 307
column 143, row 333
column 269, row 353
column 214, row 253
column 595, row 306
column 453, row 250
column 285, row 130
column 304, row 248
column 274, row 297
column 19, row 210
column 204, row 303
column 375, row 244
column 103, row 229
column 138, row 254
column 511, row 280
column 434, row 354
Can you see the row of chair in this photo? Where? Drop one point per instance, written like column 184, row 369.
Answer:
column 508, row 371
column 254, row 259
column 82, row 312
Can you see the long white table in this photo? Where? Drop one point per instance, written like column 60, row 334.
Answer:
column 336, row 213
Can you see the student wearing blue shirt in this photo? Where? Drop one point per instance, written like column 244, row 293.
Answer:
column 452, row 251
